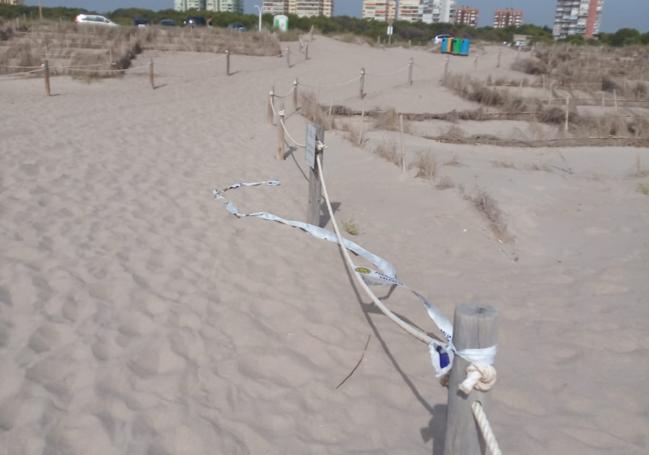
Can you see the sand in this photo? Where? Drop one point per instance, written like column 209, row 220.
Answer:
column 138, row 317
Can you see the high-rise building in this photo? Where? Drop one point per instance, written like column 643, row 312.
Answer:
column 508, row 17
column 380, row 10
column 434, row 11
column 11, row 2
column 577, row 17
column 232, row 6
column 466, row 15
column 302, row 8
column 409, row 10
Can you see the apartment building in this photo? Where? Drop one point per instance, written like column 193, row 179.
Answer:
column 434, row 11
column 466, row 15
column 11, row 2
column 577, row 17
column 380, row 10
column 230, row 6
column 508, row 17
column 186, row 5
column 302, row 8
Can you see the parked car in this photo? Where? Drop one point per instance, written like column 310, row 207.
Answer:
column 195, row 21
column 94, row 20
column 141, row 22
column 438, row 39
column 167, row 23
column 237, row 26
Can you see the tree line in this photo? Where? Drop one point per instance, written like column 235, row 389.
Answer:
column 417, row 33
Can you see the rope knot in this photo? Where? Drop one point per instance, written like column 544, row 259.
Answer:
column 479, row 376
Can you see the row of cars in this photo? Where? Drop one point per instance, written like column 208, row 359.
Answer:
column 192, row 21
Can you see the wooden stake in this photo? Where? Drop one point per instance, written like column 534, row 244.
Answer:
column 40, row 10
column 315, row 189
column 306, row 51
column 227, row 62
column 288, row 56
column 46, row 77
column 500, row 54
column 269, row 113
column 448, row 59
column 151, row 74
column 403, row 153
column 362, row 87
column 295, row 97
column 474, row 327
column 362, row 133
column 280, row 134
column 565, row 127
column 411, row 63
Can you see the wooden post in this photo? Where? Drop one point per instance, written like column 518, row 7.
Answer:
column 280, row 134
column 500, row 54
column 411, row 63
column 306, row 51
column 269, row 113
column 474, row 327
column 40, row 10
column 295, row 97
column 311, row 34
column 448, row 59
column 362, row 133
column 227, row 62
column 46, row 77
column 315, row 189
column 403, row 153
column 565, row 127
column 151, row 74
column 288, row 56
column 362, row 86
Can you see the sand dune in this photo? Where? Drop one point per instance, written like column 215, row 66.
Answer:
column 137, row 316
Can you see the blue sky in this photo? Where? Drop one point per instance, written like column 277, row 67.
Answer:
column 617, row 13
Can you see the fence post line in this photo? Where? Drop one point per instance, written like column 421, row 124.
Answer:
column 411, row 63
column 474, row 327
column 565, row 127
column 46, row 77
column 151, row 74
column 269, row 112
column 288, row 56
column 403, row 152
column 295, row 97
column 227, row 62
column 280, row 134
column 362, row 85
column 315, row 187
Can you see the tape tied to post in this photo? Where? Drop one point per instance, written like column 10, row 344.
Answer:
column 383, row 273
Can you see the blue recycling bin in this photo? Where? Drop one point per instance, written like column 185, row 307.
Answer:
column 445, row 45
column 465, row 48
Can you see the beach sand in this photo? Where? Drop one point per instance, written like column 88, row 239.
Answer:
column 137, row 316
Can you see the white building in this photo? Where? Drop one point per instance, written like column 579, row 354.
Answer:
column 434, row 11
column 231, row 6
column 301, row 8
column 577, row 17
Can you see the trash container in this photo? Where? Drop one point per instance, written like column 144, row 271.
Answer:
column 466, row 47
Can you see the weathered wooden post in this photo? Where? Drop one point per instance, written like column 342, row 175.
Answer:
column 306, row 51
column 448, row 59
column 500, row 54
column 403, row 153
column 46, row 77
column 474, row 327
column 314, row 149
column 151, row 74
column 565, row 127
column 362, row 133
column 280, row 133
column 269, row 113
column 362, row 85
column 40, row 10
column 288, row 56
column 227, row 62
column 475, row 63
column 411, row 63
column 295, row 97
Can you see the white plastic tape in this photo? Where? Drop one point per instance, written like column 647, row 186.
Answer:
column 442, row 355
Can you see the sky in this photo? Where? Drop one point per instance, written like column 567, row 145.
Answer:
column 617, row 13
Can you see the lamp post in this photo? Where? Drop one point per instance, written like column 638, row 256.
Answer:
column 260, row 11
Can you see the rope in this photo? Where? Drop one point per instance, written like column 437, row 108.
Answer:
column 9, row 76
column 485, row 428
column 368, row 73
column 297, row 144
column 339, row 84
column 412, row 330
column 19, row 67
column 479, row 376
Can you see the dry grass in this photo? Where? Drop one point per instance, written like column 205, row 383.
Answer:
column 354, row 133
column 530, row 66
column 313, row 111
column 643, row 188
column 479, row 92
column 503, row 164
column 539, row 167
column 425, row 165
column 351, row 227
column 389, row 120
column 454, row 161
column 453, row 134
column 444, row 183
column 488, row 208
column 388, row 151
